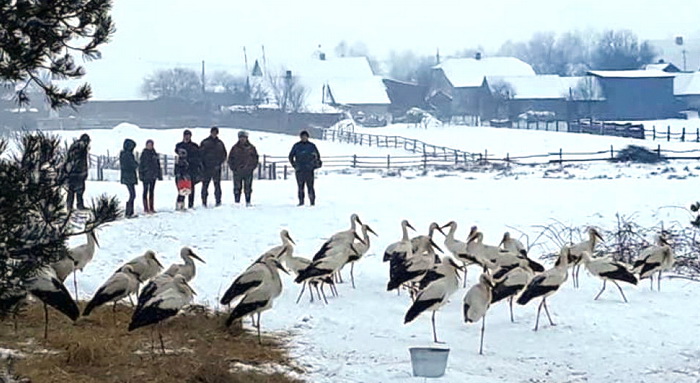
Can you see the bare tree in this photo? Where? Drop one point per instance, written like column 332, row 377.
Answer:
column 176, row 82
column 288, row 92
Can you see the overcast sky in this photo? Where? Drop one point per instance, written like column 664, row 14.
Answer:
column 163, row 33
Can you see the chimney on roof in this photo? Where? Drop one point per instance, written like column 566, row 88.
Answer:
column 477, row 56
column 288, row 75
column 322, row 56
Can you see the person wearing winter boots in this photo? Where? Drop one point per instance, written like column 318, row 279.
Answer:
column 149, row 172
column 183, row 180
column 75, row 171
column 128, row 167
column 305, row 159
column 243, row 159
column 213, row 153
column 193, row 159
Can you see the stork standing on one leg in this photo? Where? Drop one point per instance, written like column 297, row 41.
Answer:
column 76, row 259
column 436, row 294
column 260, row 285
column 546, row 284
column 476, row 302
column 361, row 249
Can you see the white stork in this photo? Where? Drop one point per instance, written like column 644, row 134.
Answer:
column 46, row 286
column 145, row 266
column 476, row 302
column 546, row 284
column 187, row 269
column 655, row 258
column 436, row 293
column 459, row 248
column 509, row 283
column 608, row 270
column 513, row 245
column 577, row 250
column 361, row 249
column 76, row 259
column 120, row 285
column 401, row 248
column 163, row 305
column 413, row 268
column 260, row 285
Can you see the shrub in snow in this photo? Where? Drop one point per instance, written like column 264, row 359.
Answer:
column 639, row 154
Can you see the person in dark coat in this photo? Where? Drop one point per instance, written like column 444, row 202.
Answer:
column 128, row 166
column 183, row 180
column 305, row 158
column 149, row 172
column 213, row 155
column 75, row 170
column 243, row 159
column 193, row 160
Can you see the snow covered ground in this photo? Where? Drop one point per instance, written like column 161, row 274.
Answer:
column 360, row 336
column 519, row 142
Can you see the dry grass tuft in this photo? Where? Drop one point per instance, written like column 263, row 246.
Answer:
column 199, row 349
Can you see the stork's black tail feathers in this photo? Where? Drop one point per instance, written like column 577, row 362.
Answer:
column 418, row 307
column 242, row 310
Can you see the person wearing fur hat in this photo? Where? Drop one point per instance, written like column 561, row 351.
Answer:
column 243, row 159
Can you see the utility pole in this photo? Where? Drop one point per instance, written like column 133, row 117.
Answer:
column 203, row 80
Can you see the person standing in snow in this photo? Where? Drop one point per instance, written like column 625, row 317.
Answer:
column 305, row 158
column 149, row 172
column 193, row 159
column 243, row 159
column 128, row 167
column 183, row 180
column 213, row 152
column 75, row 171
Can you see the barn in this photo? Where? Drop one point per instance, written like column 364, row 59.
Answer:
column 636, row 94
column 686, row 87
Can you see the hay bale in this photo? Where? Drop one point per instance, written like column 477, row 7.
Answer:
column 638, row 154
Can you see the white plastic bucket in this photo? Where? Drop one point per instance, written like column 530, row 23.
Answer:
column 429, row 362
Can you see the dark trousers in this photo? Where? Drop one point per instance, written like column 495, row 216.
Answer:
column 149, row 188
column 76, row 188
column 213, row 174
column 242, row 182
column 306, row 178
column 130, row 203
column 190, row 198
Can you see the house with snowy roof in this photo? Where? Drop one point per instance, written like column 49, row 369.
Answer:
column 462, row 80
column 329, row 84
column 686, row 88
column 636, row 94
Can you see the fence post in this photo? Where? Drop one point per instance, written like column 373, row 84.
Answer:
column 668, row 133
column 333, row 136
column 264, row 160
column 561, row 156
column 285, row 171
column 557, row 125
column 354, row 160
column 653, row 132
column 658, row 151
column 465, row 158
column 508, row 160
column 425, row 161
column 260, row 170
column 414, row 145
column 683, row 135
column 612, row 152
column 486, row 155
column 456, row 158
column 424, row 147
column 388, row 161
column 697, row 134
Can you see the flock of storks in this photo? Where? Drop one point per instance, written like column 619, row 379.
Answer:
column 507, row 273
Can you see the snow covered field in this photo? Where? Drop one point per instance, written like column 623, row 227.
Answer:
column 360, row 336
column 518, row 142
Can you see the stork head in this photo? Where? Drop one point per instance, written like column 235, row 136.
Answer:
column 506, row 238
column 274, row 263
column 354, row 218
column 405, row 223
column 186, row 253
column 434, row 226
column 284, row 234
column 474, row 235
column 150, row 254
column 594, row 234
column 366, row 229
column 662, row 241
column 452, row 225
